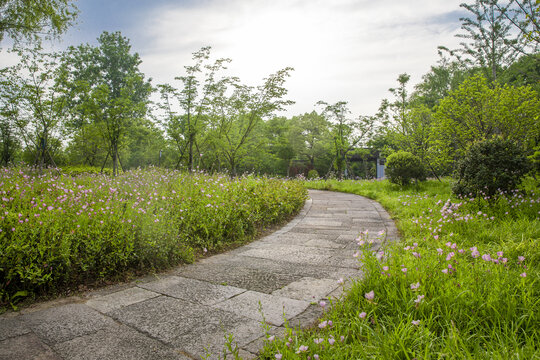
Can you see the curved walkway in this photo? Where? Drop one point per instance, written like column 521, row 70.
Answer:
column 185, row 313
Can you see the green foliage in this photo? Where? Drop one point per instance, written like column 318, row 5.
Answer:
column 491, row 167
column 312, row 174
column 106, row 93
column 401, row 167
column 477, row 111
column 25, row 19
column 525, row 71
column 60, row 231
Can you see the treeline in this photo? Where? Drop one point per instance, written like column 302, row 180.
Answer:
column 92, row 106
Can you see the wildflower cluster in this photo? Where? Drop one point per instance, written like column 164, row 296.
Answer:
column 57, row 230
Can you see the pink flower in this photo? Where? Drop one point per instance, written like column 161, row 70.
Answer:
column 419, row 299
column 404, row 270
column 415, row 254
column 440, row 251
column 316, row 357
column 385, row 268
column 322, row 304
column 323, row 324
column 370, row 295
column 436, row 237
column 500, row 254
column 450, row 256
column 521, row 258
column 523, row 275
column 303, row 348
column 486, row 257
column 340, row 281
column 415, row 322
column 475, row 254
column 271, row 338
column 278, row 356
column 331, row 341
column 445, row 271
column 362, row 315
column 318, row 341
column 415, row 286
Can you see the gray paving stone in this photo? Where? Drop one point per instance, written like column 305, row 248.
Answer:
column 209, row 338
column 117, row 342
column 66, row 322
column 26, row 347
column 274, row 308
column 192, row 290
column 12, row 327
column 324, row 244
column 120, row 299
column 163, row 318
column 254, row 279
column 308, row 289
column 318, row 222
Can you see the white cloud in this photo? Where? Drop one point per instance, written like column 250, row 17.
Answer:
column 350, row 50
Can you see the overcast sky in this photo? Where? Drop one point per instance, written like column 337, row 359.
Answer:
column 351, row 50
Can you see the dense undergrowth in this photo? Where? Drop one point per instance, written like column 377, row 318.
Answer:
column 59, row 231
column 463, row 282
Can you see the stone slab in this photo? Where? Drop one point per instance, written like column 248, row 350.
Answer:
column 274, row 308
column 316, row 222
column 12, row 327
column 27, row 346
column 308, row 289
column 117, row 342
column 163, row 318
column 63, row 323
column 324, row 244
column 192, row 290
column 208, row 339
column 242, row 277
column 120, row 299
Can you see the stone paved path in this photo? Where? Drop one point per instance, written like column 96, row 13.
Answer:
column 186, row 312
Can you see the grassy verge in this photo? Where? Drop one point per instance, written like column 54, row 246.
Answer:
column 462, row 284
column 59, row 231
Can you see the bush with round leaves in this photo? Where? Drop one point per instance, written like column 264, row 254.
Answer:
column 402, row 167
column 312, row 174
column 490, row 167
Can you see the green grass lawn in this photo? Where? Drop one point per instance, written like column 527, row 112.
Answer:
column 61, row 231
column 461, row 284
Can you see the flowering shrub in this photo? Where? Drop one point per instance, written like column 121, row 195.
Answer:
column 59, row 231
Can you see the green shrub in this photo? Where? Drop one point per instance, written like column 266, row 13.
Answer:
column 312, row 174
column 491, row 167
column 402, row 167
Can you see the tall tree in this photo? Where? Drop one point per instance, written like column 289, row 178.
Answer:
column 9, row 112
column 243, row 111
column 347, row 133
column 40, row 102
column 111, row 91
column 476, row 111
column 30, row 19
column 314, row 132
column 524, row 15
column 487, row 41
column 185, row 109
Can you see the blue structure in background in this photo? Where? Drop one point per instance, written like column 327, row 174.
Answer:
column 380, row 168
